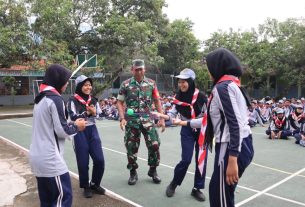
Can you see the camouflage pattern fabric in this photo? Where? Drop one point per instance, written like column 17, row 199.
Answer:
column 139, row 97
column 133, row 131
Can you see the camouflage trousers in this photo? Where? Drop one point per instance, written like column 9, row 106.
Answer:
column 132, row 137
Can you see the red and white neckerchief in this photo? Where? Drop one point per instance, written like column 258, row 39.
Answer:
column 194, row 99
column 297, row 118
column 80, row 99
column 201, row 140
column 279, row 123
column 44, row 87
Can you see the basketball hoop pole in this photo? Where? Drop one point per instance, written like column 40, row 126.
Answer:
column 81, row 65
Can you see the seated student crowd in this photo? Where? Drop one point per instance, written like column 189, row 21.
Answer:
column 254, row 113
column 109, row 109
column 286, row 118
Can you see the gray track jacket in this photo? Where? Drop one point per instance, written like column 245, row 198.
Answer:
column 46, row 152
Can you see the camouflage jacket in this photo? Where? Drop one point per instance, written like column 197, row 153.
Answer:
column 138, row 96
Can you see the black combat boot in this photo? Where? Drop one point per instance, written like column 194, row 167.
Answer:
column 153, row 173
column 133, row 177
column 170, row 190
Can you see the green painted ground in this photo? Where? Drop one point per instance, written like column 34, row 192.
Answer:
column 273, row 162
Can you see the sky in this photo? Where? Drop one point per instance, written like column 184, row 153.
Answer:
column 210, row 15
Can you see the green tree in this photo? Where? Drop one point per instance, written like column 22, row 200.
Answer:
column 179, row 47
column 65, row 21
column 293, row 41
column 287, row 39
column 131, row 30
column 15, row 40
column 9, row 83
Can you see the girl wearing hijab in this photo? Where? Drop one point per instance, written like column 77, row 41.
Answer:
column 88, row 142
column 190, row 103
column 296, row 118
column 49, row 131
column 227, row 121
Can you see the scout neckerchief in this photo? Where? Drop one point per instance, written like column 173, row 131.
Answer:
column 194, row 99
column 297, row 117
column 279, row 123
column 44, row 87
column 81, row 100
column 202, row 147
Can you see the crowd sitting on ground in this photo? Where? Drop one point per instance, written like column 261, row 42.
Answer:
column 283, row 118
column 109, row 109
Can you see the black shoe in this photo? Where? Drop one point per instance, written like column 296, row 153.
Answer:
column 97, row 189
column 87, row 192
column 198, row 195
column 133, row 177
column 170, row 190
column 153, row 173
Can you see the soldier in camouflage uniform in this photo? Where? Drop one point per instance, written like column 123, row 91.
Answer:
column 139, row 93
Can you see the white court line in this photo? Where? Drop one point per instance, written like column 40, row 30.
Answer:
column 111, row 193
column 16, row 114
column 263, row 166
column 10, row 120
column 109, row 125
column 108, row 192
column 270, row 188
column 274, row 169
column 260, row 133
column 189, row 172
column 239, row 186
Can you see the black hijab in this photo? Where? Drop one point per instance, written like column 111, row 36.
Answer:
column 187, row 98
column 222, row 62
column 56, row 76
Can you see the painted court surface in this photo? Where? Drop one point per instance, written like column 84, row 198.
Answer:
column 276, row 176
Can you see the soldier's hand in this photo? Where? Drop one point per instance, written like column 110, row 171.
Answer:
column 123, row 123
column 80, row 123
column 161, row 123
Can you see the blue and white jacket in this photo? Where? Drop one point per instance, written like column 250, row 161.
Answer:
column 229, row 115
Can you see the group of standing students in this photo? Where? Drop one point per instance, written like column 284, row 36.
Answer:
column 223, row 115
column 50, row 130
